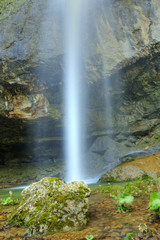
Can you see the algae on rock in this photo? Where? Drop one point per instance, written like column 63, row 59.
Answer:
column 51, row 205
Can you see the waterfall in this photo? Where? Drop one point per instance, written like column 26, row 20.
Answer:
column 73, row 27
column 73, row 89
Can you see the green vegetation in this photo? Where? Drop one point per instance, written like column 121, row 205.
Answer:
column 131, row 189
column 134, row 188
column 89, row 237
column 158, row 126
column 124, row 193
column 146, row 177
column 7, row 7
column 124, row 201
column 129, row 236
column 9, row 200
column 16, row 193
column 56, row 206
column 154, row 203
column 143, row 233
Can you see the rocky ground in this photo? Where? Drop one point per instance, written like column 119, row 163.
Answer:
column 104, row 220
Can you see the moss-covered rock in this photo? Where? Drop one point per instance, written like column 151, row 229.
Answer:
column 51, row 205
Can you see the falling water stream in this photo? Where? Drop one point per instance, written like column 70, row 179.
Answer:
column 76, row 26
column 73, row 89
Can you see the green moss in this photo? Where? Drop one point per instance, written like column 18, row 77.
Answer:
column 109, row 179
column 59, row 224
column 43, row 217
column 39, row 208
column 7, row 7
column 83, row 189
column 54, row 206
column 146, row 177
column 14, row 221
column 39, row 202
column 49, row 213
column 50, row 180
column 32, row 221
column 86, row 206
column 17, row 219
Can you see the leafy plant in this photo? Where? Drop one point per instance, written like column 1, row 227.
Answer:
column 89, row 237
column 124, row 201
column 107, row 189
column 154, row 203
column 129, row 236
column 9, row 201
column 138, row 181
column 131, row 189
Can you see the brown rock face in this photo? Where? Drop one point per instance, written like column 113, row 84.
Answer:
column 150, row 165
column 24, row 107
column 122, row 66
column 136, row 169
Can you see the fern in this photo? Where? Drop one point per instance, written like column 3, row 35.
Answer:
column 154, row 203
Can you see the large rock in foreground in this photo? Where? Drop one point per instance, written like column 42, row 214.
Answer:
column 51, row 205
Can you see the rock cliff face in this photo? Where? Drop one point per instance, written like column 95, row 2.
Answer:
column 122, row 42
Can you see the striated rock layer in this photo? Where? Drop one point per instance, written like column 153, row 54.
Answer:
column 121, row 61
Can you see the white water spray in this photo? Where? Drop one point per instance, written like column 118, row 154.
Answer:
column 73, row 89
column 73, row 19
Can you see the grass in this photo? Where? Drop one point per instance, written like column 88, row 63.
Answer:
column 134, row 187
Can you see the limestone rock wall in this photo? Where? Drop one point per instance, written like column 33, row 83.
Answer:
column 122, row 45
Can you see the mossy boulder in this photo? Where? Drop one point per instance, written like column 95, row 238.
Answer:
column 51, row 205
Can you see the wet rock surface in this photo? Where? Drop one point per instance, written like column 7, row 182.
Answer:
column 119, row 174
column 51, row 205
column 147, row 166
